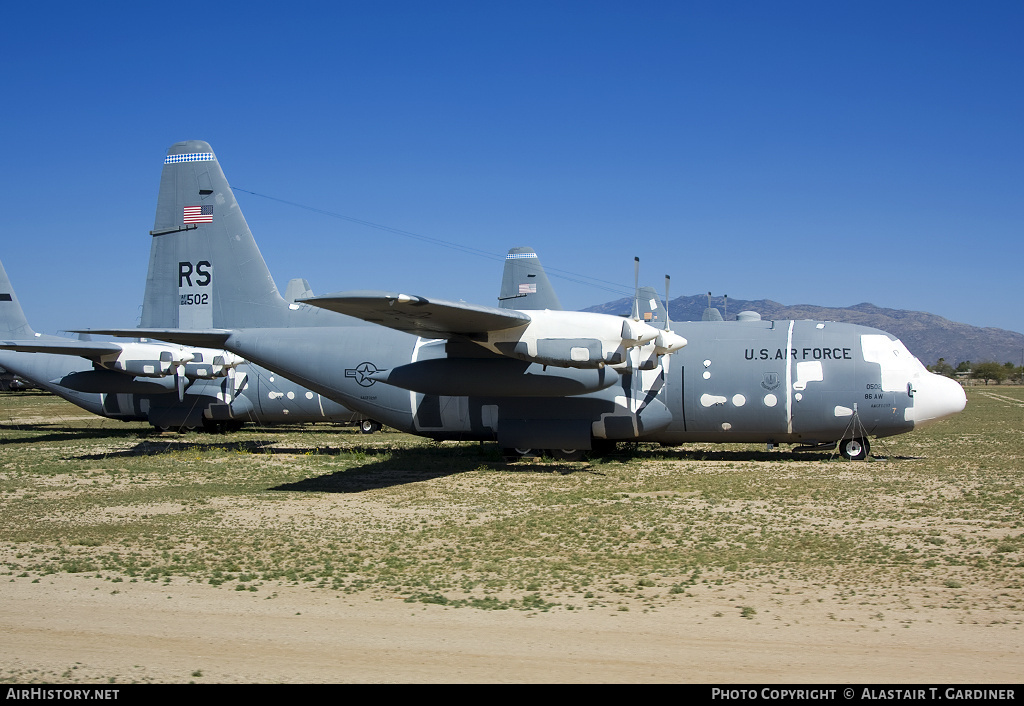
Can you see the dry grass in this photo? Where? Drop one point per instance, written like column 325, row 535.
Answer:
column 934, row 522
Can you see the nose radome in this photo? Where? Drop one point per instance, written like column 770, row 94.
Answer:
column 936, row 397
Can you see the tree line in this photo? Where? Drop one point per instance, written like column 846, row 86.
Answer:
column 987, row 370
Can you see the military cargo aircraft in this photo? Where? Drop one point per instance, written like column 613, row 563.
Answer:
column 564, row 382
column 216, row 390
column 171, row 387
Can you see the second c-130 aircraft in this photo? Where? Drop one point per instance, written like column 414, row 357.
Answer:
column 524, row 374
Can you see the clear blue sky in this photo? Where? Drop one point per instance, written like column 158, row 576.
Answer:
column 808, row 152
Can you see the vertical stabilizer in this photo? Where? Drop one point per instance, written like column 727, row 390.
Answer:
column 205, row 270
column 650, row 308
column 524, row 284
column 297, row 288
column 13, row 324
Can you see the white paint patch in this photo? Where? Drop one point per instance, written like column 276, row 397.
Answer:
column 739, row 400
column 798, row 397
column 291, row 395
column 770, row 400
column 711, row 400
column 820, row 326
column 707, row 375
column 285, row 411
column 309, row 395
column 579, row 354
column 807, row 371
column 707, row 363
column 897, row 364
column 726, row 426
column 842, row 411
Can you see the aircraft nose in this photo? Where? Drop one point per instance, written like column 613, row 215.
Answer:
column 936, row 397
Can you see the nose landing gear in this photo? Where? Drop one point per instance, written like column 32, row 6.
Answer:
column 854, row 449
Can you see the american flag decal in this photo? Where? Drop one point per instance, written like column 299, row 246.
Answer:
column 528, row 288
column 199, row 214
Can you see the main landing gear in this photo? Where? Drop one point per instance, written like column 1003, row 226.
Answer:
column 515, row 454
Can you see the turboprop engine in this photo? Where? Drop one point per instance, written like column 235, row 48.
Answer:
column 151, row 360
column 576, row 339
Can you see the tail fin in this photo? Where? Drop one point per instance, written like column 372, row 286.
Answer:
column 13, row 324
column 524, row 284
column 650, row 308
column 297, row 288
column 205, row 269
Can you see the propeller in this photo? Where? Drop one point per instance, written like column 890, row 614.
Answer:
column 667, row 281
column 636, row 288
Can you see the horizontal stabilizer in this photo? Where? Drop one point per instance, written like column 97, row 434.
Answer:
column 419, row 316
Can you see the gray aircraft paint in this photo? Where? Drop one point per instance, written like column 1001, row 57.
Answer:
column 524, row 284
column 256, row 394
column 801, row 382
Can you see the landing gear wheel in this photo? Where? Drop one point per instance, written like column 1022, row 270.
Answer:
column 854, row 449
column 568, row 454
column 368, row 426
column 510, row 454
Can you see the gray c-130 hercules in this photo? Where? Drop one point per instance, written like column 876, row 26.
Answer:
column 169, row 386
column 529, row 378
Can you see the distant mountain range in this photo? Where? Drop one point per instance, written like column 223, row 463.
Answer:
column 929, row 337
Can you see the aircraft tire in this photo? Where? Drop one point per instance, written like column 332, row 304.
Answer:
column 513, row 454
column 854, row 449
column 568, row 454
column 368, row 426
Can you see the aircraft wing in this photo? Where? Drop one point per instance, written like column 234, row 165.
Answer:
column 198, row 338
column 434, row 318
column 86, row 349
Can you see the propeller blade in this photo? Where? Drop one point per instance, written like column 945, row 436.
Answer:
column 667, row 280
column 636, row 288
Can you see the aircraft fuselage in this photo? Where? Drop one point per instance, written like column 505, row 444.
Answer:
column 259, row 395
column 804, row 382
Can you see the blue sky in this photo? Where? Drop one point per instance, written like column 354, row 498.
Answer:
column 807, row 152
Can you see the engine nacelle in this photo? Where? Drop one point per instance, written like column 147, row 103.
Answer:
column 207, row 364
column 151, row 360
column 577, row 339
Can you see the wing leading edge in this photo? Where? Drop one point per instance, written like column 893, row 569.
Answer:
column 434, row 318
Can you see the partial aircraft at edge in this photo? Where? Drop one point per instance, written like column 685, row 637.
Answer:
column 531, row 379
column 169, row 386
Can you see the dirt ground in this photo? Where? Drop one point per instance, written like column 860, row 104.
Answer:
column 759, row 627
column 76, row 629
